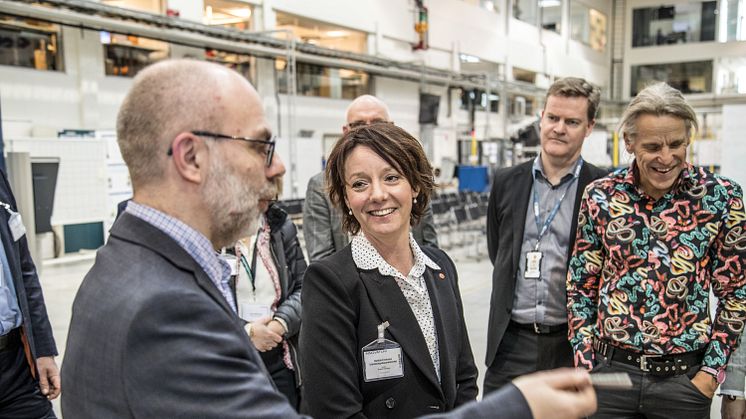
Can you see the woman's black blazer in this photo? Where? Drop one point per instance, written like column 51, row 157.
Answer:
column 342, row 307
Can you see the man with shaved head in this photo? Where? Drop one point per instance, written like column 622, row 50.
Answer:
column 322, row 223
column 154, row 330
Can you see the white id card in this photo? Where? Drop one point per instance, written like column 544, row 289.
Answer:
column 15, row 223
column 253, row 312
column 533, row 265
column 382, row 361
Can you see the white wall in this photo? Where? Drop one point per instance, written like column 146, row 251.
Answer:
column 733, row 146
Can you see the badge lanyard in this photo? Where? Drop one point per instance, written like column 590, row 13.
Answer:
column 251, row 269
column 543, row 227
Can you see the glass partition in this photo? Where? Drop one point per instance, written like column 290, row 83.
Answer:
column 547, row 13
column 323, row 34
column 689, row 77
column 674, row 24
column 732, row 20
column 588, row 25
column 126, row 55
column 228, row 14
column 30, row 43
column 322, row 81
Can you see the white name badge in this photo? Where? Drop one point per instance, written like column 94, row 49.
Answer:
column 15, row 223
column 533, row 265
column 382, row 361
column 253, row 312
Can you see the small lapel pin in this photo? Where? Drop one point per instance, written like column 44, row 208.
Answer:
column 442, row 276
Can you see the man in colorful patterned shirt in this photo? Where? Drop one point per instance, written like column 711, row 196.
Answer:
column 652, row 241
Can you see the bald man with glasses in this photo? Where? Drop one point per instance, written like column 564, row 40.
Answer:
column 322, row 223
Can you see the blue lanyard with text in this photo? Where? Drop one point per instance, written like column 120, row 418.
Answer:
column 542, row 228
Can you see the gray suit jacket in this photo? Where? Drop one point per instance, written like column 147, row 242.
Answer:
column 322, row 223
column 152, row 337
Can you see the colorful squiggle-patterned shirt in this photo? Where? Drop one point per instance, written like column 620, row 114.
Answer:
column 642, row 268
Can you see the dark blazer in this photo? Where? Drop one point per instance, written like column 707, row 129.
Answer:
column 39, row 341
column 506, row 217
column 342, row 306
column 152, row 337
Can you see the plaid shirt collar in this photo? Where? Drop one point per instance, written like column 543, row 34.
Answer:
column 192, row 241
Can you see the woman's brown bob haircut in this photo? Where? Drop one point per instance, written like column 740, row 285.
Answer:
column 394, row 145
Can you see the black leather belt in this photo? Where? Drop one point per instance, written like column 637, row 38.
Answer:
column 658, row 365
column 8, row 339
column 540, row 329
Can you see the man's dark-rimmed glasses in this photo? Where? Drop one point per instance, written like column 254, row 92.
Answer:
column 269, row 150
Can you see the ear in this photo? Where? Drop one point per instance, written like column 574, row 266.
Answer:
column 627, row 143
column 189, row 154
column 345, row 128
column 590, row 128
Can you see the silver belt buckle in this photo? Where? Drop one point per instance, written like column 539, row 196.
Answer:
column 644, row 363
column 536, row 328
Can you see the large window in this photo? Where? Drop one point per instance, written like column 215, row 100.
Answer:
column 674, row 24
column 480, row 100
column 521, row 74
column 229, row 14
column 732, row 20
column 323, row 34
column 126, row 55
column 588, row 25
column 30, row 43
column 321, row 81
column 731, row 75
column 689, row 77
column 547, row 13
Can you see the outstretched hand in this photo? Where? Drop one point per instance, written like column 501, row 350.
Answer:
column 558, row 394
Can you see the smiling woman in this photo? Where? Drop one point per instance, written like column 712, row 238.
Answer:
column 383, row 326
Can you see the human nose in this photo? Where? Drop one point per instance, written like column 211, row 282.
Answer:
column 559, row 127
column 665, row 155
column 377, row 192
column 277, row 168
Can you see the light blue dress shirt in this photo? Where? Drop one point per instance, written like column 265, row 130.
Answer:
column 10, row 313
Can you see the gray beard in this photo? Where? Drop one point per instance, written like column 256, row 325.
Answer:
column 233, row 205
